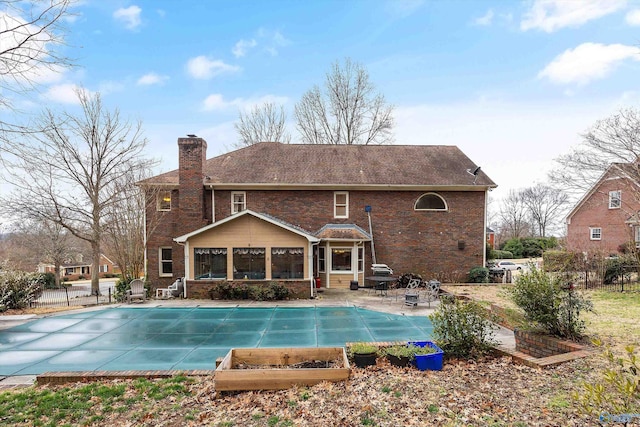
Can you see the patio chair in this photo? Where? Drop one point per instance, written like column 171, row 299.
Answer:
column 432, row 291
column 412, row 293
column 136, row 291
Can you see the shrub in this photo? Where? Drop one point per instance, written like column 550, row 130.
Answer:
column 222, row 290
column 615, row 268
column 48, row 280
column 479, row 275
column 514, row 246
column 19, row 289
column 461, row 328
column 549, row 305
column 559, row 260
column 267, row 292
column 616, row 391
column 121, row 288
column 497, row 254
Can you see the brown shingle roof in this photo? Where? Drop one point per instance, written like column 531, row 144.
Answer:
column 269, row 163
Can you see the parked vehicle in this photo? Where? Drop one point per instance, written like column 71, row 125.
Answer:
column 509, row 265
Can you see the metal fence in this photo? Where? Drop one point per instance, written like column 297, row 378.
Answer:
column 72, row 296
column 594, row 279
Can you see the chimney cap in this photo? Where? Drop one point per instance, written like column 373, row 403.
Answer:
column 191, row 135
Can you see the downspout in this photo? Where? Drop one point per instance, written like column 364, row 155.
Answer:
column 144, row 228
column 484, row 247
column 373, row 248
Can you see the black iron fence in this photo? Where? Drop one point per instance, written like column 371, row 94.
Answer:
column 625, row 278
column 72, row 296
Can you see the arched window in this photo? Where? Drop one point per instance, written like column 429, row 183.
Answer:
column 430, row 202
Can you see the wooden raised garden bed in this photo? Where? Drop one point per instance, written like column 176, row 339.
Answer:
column 280, row 368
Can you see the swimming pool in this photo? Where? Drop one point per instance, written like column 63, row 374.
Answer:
column 160, row 338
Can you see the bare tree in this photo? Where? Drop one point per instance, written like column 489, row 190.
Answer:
column 48, row 242
column 513, row 216
column 348, row 112
column 31, row 34
column 264, row 123
column 70, row 172
column 615, row 139
column 126, row 223
column 545, row 205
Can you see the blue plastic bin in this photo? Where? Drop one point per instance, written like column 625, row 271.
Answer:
column 433, row 361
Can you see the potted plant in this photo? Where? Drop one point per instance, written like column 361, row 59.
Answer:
column 400, row 355
column 364, row 354
column 427, row 355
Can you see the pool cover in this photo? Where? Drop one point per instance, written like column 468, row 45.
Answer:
column 120, row 339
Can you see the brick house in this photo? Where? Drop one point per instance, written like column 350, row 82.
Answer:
column 606, row 218
column 291, row 213
column 74, row 269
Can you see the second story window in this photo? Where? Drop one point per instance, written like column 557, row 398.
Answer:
column 238, row 201
column 341, row 204
column 164, row 200
column 615, row 199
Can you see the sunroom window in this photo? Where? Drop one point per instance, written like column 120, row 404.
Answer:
column 287, row 263
column 210, row 263
column 249, row 263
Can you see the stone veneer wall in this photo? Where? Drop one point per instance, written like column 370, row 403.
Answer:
column 539, row 345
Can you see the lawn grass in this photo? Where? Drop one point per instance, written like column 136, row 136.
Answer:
column 87, row 404
column 616, row 317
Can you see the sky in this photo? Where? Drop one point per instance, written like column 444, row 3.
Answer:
column 513, row 84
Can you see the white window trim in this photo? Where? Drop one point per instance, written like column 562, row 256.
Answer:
column 350, row 271
column 446, row 206
column 159, row 201
column 324, row 258
column 335, row 204
column 360, row 261
column 233, row 206
column 591, row 233
column 160, row 273
column 637, row 235
column 618, row 197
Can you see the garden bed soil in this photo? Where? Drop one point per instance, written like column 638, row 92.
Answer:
column 280, row 368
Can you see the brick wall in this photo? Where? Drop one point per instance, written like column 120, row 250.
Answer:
column 423, row 242
column 539, row 345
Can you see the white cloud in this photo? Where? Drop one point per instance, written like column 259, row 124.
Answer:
column 203, row 68
column 587, row 62
column 130, row 16
column 633, row 17
column 484, row 20
column 152, row 79
column 241, row 48
column 552, row 15
column 272, row 40
column 217, row 102
column 107, row 87
column 64, row 93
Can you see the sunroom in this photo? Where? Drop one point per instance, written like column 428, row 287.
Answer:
column 248, row 246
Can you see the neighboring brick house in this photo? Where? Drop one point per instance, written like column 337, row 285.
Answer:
column 606, row 218
column 291, row 212
column 74, row 269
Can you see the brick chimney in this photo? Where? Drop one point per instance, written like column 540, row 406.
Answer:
column 192, row 156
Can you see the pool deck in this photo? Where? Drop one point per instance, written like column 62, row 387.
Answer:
column 363, row 298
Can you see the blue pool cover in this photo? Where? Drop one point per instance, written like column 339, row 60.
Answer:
column 119, row 339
